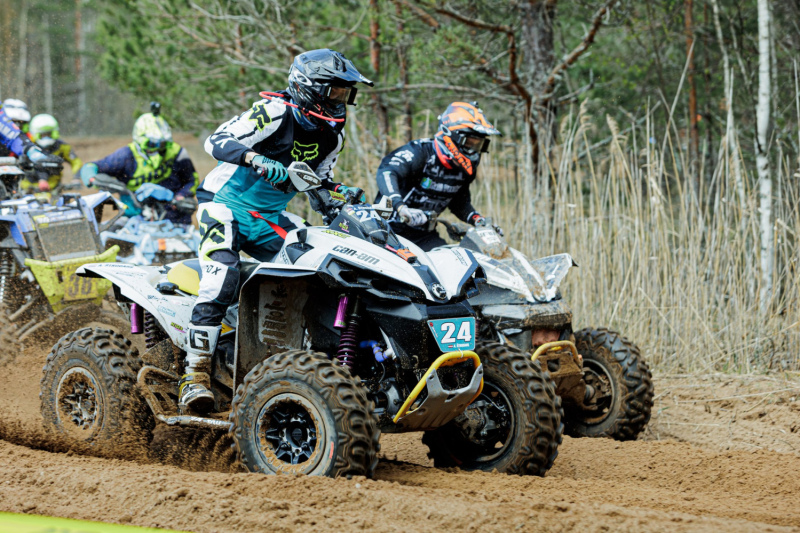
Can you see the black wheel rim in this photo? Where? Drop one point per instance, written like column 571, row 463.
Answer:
column 79, row 403
column 489, row 424
column 598, row 376
column 291, row 435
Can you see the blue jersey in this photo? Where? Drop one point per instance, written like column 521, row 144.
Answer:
column 10, row 136
column 174, row 171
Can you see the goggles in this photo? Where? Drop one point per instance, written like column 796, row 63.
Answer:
column 340, row 95
column 155, row 145
column 473, row 144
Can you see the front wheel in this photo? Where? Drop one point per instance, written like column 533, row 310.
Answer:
column 298, row 413
column 515, row 424
column 88, row 392
column 621, row 395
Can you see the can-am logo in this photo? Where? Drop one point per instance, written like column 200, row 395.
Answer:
column 355, row 255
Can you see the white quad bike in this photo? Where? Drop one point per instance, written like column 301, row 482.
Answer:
column 348, row 332
column 601, row 376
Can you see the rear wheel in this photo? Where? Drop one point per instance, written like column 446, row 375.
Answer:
column 298, row 413
column 88, row 392
column 515, row 424
column 621, row 395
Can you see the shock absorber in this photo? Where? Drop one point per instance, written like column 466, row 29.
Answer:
column 6, row 271
column 348, row 342
column 151, row 333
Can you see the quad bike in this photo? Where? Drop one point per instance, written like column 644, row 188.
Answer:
column 13, row 170
column 601, row 376
column 347, row 332
column 41, row 246
column 148, row 238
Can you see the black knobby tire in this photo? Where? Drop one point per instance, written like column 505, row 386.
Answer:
column 9, row 343
column 89, row 396
column 326, row 408
column 532, row 415
column 611, row 360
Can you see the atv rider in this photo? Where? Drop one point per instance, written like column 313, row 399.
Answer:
column 153, row 158
column 45, row 133
column 15, row 143
column 428, row 175
column 303, row 123
column 17, row 111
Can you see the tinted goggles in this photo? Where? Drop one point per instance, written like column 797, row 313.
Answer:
column 340, row 95
column 473, row 144
column 155, row 145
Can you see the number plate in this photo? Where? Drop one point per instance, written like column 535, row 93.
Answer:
column 78, row 288
column 454, row 333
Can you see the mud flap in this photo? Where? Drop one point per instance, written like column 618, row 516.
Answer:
column 440, row 406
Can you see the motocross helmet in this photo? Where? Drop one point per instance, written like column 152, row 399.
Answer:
column 323, row 81
column 44, row 130
column 152, row 133
column 463, row 135
column 17, row 111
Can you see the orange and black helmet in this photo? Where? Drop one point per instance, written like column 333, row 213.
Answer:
column 463, row 135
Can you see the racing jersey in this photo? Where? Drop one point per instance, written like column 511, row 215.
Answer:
column 12, row 141
column 270, row 129
column 415, row 176
column 174, row 170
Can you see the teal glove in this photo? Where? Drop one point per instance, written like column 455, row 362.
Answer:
column 270, row 170
column 352, row 192
column 87, row 173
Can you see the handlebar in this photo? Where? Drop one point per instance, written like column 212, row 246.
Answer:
column 113, row 185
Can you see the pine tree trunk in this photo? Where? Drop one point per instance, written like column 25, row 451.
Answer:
column 22, row 67
column 762, row 156
column 47, row 65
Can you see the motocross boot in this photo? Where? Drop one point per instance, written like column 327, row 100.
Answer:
column 195, row 385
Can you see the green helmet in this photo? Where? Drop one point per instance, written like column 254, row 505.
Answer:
column 152, row 133
column 44, row 130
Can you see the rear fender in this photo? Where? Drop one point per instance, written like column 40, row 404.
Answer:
column 137, row 284
column 270, row 314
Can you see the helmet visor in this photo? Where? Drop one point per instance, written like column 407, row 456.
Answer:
column 340, row 95
column 473, row 144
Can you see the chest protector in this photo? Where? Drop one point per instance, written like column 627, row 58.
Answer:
column 152, row 169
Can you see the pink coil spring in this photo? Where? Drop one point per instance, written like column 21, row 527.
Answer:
column 348, row 342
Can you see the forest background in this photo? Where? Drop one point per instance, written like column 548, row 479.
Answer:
column 656, row 141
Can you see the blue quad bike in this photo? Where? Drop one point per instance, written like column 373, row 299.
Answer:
column 147, row 237
column 41, row 246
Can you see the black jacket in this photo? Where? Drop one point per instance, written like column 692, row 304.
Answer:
column 413, row 175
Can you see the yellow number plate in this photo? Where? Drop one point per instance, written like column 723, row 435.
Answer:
column 78, row 288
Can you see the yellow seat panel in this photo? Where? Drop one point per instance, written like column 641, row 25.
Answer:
column 186, row 275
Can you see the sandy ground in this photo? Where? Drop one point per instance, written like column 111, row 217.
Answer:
column 721, row 453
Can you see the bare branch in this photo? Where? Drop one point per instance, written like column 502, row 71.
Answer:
column 442, row 87
column 579, row 50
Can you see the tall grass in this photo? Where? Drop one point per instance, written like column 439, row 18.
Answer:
column 674, row 269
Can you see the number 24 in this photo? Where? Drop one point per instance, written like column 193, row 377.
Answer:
column 464, row 332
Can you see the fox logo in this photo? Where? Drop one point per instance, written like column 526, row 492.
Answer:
column 260, row 117
column 304, row 152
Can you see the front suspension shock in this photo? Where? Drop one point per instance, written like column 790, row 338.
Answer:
column 348, row 342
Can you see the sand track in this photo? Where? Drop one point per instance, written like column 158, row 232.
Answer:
column 712, row 480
